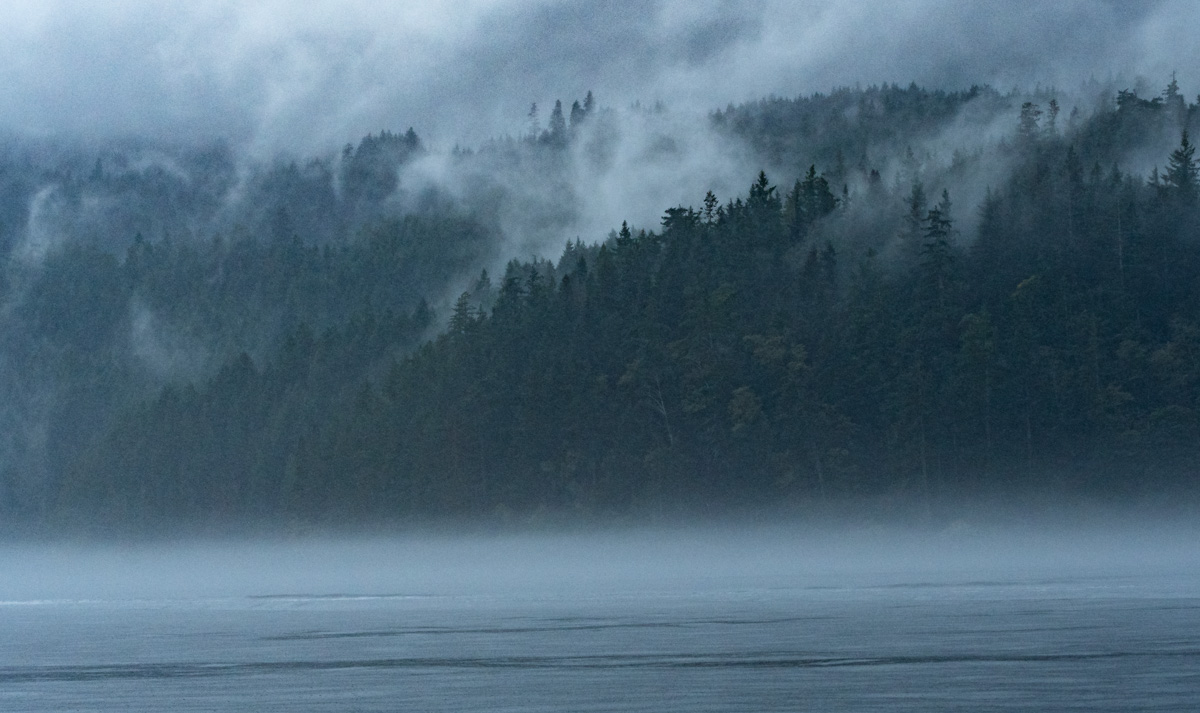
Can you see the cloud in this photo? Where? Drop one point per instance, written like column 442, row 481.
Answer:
column 307, row 77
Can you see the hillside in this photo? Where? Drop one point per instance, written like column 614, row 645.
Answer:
column 921, row 299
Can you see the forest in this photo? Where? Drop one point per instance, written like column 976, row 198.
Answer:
column 921, row 302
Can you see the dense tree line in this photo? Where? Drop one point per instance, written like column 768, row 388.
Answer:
column 94, row 335
column 728, row 359
column 857, row 334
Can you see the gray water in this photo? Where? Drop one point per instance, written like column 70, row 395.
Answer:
column 718, row 634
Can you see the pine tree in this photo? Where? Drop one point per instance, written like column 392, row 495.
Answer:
column 914, row 217
column 463, row 316
column 809, row 201
column 1027, row 127
column 534, row 124
column 710, row 207
column 817, row 199
column 558, row 126
column 1174, row 101
column 762, row 193
column 577, row 115
column 937, row 250
column 1181, row 173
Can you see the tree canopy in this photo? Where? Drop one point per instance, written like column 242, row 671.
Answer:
column 843, row 341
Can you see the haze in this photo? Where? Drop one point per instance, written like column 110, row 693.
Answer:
column 308, row 78
column 603, row 563
column 301, row 410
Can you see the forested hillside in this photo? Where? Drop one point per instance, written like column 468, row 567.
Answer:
column 921, row 298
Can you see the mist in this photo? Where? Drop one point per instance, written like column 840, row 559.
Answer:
column 273, row 82
column 270, row 439
column 710, row 619
column 274, row 76
column 225, row 142
column 302, row 410
column 823, row 560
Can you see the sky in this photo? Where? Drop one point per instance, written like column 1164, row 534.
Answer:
column 306, row 78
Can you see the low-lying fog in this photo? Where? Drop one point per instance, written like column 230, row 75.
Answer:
column 593, row 564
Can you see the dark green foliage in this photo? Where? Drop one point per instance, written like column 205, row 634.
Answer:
column 1181, row 173
column 1027, row 128
column 774, row 350
column 556, row 134
column 92, row 337
column 369, row 171
column 855, row 124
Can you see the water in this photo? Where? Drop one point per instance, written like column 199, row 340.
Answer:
column 1094, row 639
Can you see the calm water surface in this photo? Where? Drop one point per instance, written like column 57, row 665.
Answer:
column 1099, row 641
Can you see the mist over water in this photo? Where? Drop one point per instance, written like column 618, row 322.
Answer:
column 710, row 619
column 628, row 559
column 133, row 117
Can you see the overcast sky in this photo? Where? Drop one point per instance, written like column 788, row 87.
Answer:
column 308, row 77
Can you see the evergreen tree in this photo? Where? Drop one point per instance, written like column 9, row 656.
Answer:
column 937, row 250
column 534, row 125
column 714, row 363
column 1181, row 173
column 1027, row 127
column 818, row 200
column 915, row 215
column 577, row 116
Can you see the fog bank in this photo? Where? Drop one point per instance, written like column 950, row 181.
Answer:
column 609, row 563
column 308, row 78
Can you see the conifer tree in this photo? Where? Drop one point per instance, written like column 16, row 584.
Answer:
column 1027, row 127
column 577, row 115
column 1181, row 174
column 558, row 126
column 937, row 250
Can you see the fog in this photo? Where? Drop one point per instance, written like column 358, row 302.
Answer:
column 273, row 79
column 718, row 619
column 612, row 562
column 309, row 78
column 205, row 121
column 270, row 83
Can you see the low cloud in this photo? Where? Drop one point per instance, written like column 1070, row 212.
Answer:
column 307, row 78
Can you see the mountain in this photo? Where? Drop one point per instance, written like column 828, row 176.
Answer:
column 922, row 299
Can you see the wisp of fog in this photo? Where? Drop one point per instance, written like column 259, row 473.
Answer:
column 307, row 78
column 623, row 562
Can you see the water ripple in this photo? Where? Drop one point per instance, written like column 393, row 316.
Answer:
column 69, row 673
